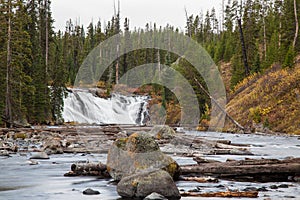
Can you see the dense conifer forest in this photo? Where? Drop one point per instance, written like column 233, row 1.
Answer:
column 37, row 63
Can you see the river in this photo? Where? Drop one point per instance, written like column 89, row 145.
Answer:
column 20, row 180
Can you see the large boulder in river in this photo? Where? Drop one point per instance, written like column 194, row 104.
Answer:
column 53, row 146
column 162, row 132
column 138, row 153
column 143, row 184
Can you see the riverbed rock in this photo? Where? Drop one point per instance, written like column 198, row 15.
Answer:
column 32, row 162
column 162, row 132
column 155, row 196
column 53, row 146
column 90, row 191
column 137, row 153
column 20, row 135
column 274, row 187
column 296, row 178
column 143, row 184
column 4, row 153
column 39, row 155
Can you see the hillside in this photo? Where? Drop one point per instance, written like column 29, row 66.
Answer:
column 268, row 102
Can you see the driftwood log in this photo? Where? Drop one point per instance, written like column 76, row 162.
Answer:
column 200, row 179
column 89, row 169
column 250, row 194
column 211, row 147
column 263, row 170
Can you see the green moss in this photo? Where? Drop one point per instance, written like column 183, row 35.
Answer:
column 22, row 136
column 121, row 143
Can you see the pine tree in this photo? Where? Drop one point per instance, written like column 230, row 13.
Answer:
column 288, row 25
column 18, row 54
column 58, row 79
column 3, row 37
column 289, row 58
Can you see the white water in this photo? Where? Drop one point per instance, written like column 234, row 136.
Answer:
column 83, row 107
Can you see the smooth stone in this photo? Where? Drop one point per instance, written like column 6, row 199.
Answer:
column 89, row 191
column 283, row 186
column 155, row 196
column 39, row 155
column 274, row 187
column 194, row 190
column 262, row 189
column 249, row 189
column 220, row 186
column 32, row 162
column 4, row 153
column 296, row 178
column 143, row 184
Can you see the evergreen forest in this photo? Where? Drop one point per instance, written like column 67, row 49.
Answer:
column 38, row 64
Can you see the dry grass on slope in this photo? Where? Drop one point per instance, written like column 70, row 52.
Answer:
column 269, row 101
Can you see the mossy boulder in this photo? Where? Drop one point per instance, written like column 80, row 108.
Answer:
column 20, row 135
column 138, row 153
column 162, row 132
column 139, row 186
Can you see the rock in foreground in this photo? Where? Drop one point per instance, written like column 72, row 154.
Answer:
column 136, row 154
column 143, row 184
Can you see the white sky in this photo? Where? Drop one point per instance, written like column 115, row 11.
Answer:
column 139, row 12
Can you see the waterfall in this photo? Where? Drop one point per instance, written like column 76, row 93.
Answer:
column 84, row 107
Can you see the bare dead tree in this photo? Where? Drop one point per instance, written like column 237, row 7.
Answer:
column 296, row 24
column 8, row 106
column 117, row 17
column 244, row 51
column 223, row 15
column 188, row 22
column 219, row 106
column 46, row 36
column 264, row 28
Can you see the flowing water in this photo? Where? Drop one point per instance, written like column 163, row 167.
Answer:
column 20, row 180
column 84, row 107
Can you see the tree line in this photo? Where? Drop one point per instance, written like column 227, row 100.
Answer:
column 269, row 29
column 38, row 63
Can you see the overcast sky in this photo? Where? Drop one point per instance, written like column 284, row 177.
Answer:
column 139, row 12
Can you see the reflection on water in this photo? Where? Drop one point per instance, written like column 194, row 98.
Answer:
column 20, row 180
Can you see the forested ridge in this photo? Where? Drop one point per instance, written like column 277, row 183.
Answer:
column 37, row 63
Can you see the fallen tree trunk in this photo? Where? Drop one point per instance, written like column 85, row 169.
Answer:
column 89, row 169
column 231, row 152
column 211, row 147
column 200, row 179
column 251, row 194
column 254, row 170
column 220, row 107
